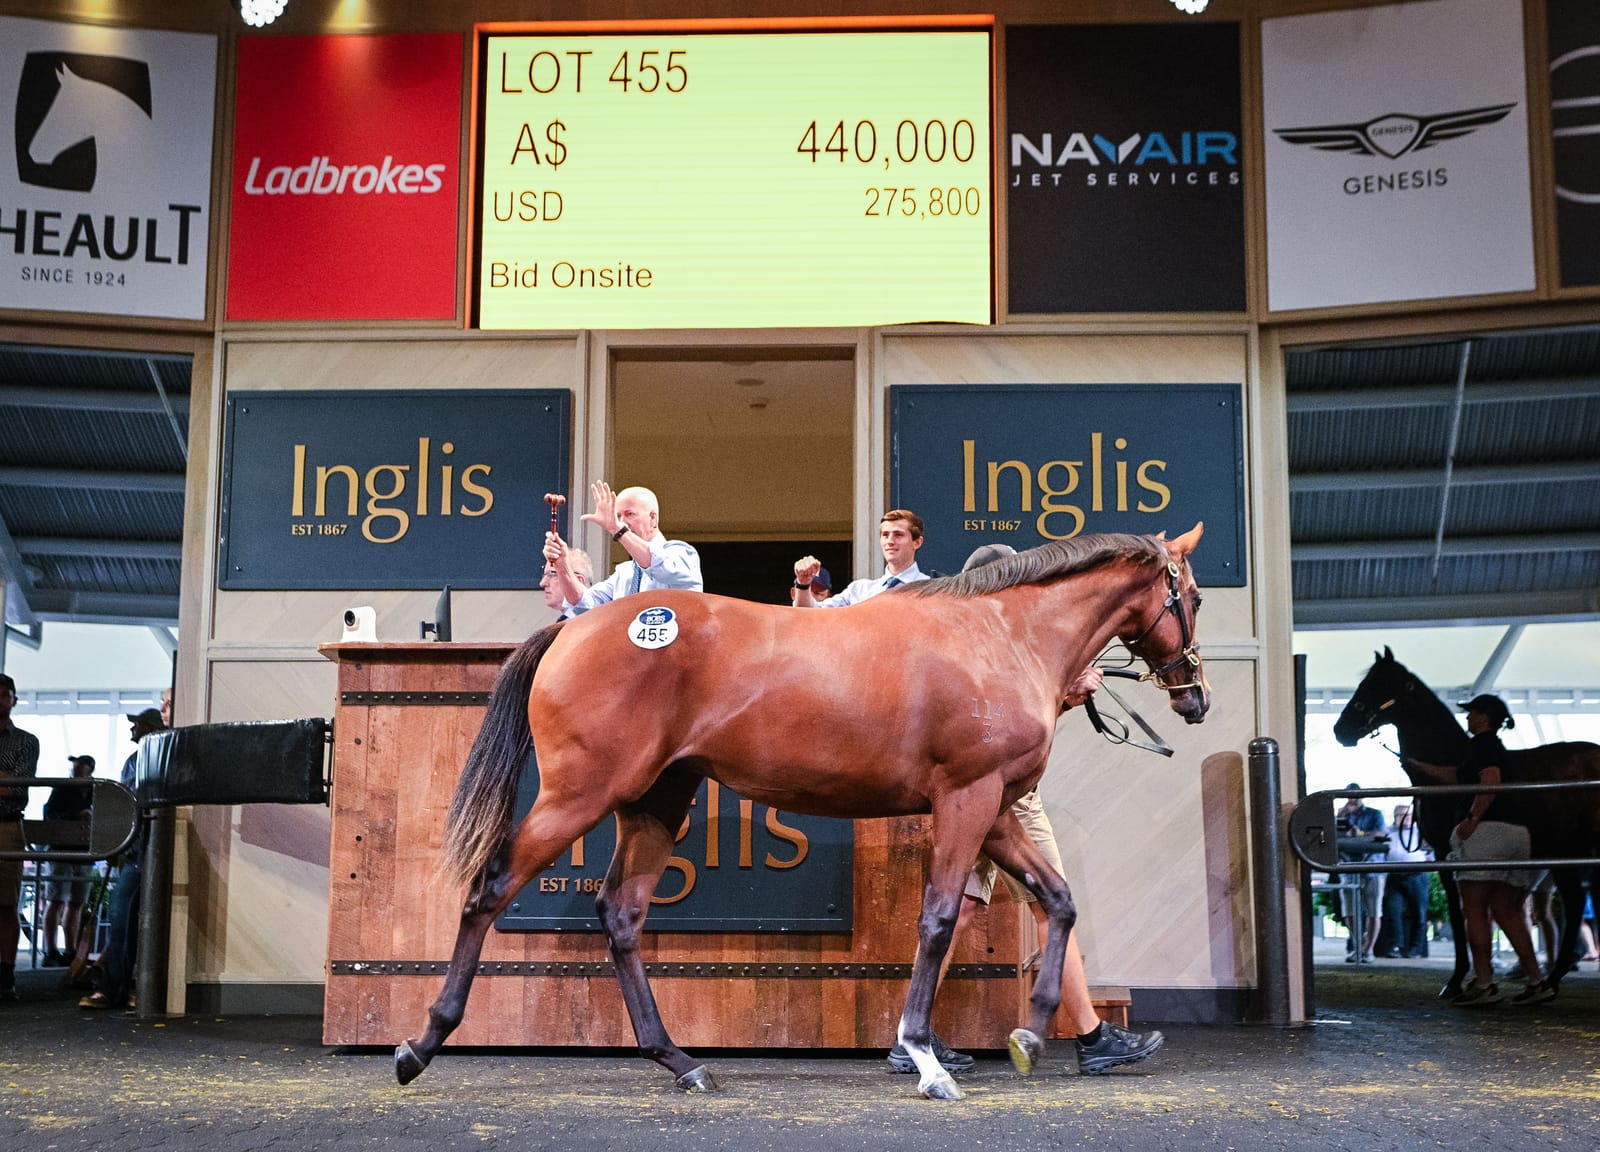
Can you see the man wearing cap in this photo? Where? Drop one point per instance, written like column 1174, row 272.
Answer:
column 19, row 759
column 632, row 517
column 899, row 537
column 821, row 587
column 1361, row 823
column 69, row 882
column 1494, row 828
column 116, row 970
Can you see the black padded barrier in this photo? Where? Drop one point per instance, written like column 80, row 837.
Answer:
column 265, row 762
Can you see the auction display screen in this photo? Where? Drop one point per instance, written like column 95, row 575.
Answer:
column 733, row 180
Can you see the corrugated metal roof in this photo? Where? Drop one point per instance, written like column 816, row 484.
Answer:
column 92, row 448
column 1369, row 443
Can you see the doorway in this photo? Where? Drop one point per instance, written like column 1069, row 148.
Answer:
column 751, row 453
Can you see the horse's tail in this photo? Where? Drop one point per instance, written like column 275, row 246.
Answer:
column 480, row 814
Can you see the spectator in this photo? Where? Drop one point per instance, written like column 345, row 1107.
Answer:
column 632, row 518
column 121, row 954
column 1358, row 822
column 1405, row 896
column 69, row 882
column 19, row 760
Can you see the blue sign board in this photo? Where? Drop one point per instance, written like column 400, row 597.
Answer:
column 407, row 489
column 1021, row 464
column 737, row 866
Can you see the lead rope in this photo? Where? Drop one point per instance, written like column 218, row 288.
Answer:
column 1157, row 745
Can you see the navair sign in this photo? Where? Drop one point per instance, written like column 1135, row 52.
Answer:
column 105, row 183
column 345, row 179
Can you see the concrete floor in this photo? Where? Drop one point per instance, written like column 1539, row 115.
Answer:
column 1387, row 1067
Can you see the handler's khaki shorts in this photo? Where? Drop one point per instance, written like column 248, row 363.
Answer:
column 1029, row 812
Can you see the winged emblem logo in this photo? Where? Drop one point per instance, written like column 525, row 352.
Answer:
column 1395, row 135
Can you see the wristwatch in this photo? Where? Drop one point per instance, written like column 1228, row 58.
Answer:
column 797, row 584
column 620, row 533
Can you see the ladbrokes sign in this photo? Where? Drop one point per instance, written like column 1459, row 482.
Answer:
column 345, row 185
column 105, row 190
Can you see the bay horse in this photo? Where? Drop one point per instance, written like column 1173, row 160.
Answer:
column 867, row 711
column 1562, row 824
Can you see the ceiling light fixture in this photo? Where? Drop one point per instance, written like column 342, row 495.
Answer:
column 1190, row 7
column 260, row 13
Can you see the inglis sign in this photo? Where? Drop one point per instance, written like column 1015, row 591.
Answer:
column 106, row 208
column 368, row 490
column 1024, row 464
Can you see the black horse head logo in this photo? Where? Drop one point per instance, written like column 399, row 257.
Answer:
column 65, row 100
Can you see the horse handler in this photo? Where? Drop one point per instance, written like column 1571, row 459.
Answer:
column 1100, row 1046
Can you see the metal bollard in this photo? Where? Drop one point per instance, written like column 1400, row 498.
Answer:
column 1271, row 1002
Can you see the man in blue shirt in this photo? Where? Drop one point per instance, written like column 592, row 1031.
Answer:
column 631, row 517
column 899, row 537
column 1364, row 823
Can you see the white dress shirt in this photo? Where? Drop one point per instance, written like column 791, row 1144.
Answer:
column 673, row 564
column 859, row 590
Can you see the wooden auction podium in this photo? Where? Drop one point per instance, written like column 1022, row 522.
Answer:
column 406, row 717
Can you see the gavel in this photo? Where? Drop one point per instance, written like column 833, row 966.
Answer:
column 555, row 500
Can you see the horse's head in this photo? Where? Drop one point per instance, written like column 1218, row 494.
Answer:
column 1166, row 637
column 1380, row 699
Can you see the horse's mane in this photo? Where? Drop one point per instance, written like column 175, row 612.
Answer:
column 1049, row 561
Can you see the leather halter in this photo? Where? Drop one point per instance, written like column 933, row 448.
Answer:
column 1188, row 658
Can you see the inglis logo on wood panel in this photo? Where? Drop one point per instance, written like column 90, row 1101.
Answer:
column 367, row 490
column 107, row 208
column 1026, row 464
column 345, row 187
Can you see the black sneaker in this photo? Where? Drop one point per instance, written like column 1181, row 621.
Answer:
column 1115, row 1047
column 1477, row 996
column 9, row 992
column 951, row 1060
column 1535, row 994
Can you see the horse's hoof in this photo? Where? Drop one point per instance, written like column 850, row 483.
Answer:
column 1026, row 1050
column 696, row 1079
column 1451, row 990
column 407, row 1064
column 939, row 1086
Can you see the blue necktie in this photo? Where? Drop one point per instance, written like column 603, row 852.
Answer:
column 892, row 582
column 638, row 579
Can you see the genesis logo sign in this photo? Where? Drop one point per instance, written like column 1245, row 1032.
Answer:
column 1395, row 135
column 77, row 114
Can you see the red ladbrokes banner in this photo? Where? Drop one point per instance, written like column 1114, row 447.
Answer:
column 346, row 183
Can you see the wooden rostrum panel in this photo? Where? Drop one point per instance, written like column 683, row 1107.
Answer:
column 392, row 921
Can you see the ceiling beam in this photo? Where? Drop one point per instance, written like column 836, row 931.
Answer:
column 99, row 548
column 1439, row 395
column 1483, row 474
column 1408, row 611
column 94, row 481
column 86, row 399
column 1417, row 548
column 16, row 583
column 106, row 607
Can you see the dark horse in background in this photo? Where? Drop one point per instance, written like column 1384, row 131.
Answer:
column 1562, row 824
column 940, row 697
